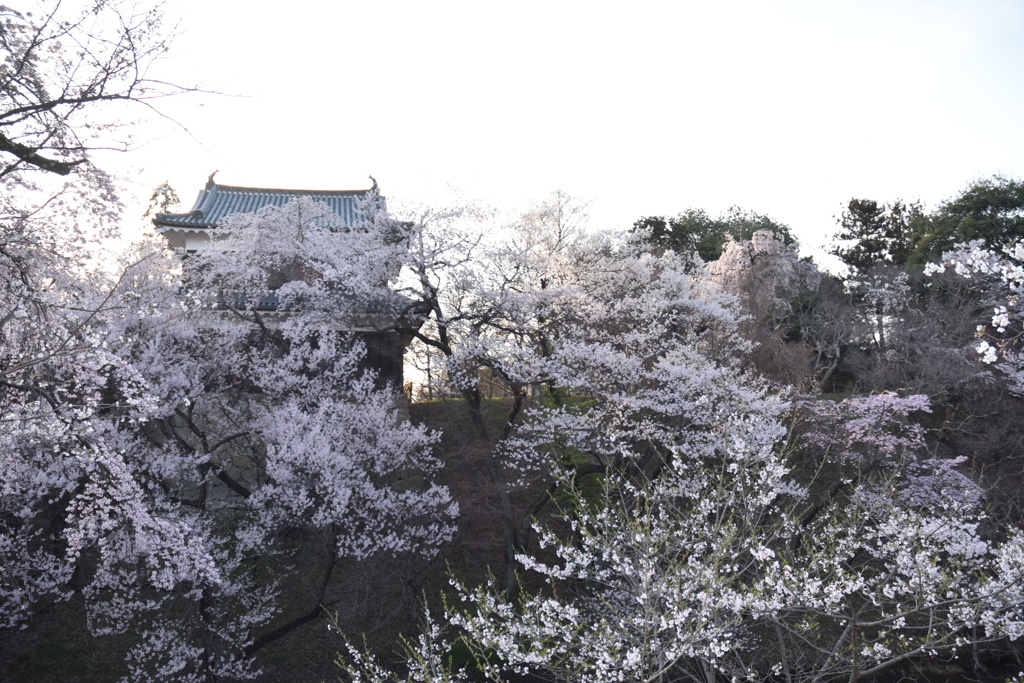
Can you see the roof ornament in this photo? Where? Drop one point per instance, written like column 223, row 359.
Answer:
column 375, row 188
column 209, row 181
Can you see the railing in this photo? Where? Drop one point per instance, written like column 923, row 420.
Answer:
column 272, row 300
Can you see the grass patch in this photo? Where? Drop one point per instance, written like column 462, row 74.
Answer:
column 451, row 417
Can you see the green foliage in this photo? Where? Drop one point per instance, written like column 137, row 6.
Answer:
column 991, row 210
column 694, row 231
column 163, row 199
column 587, row 493
column 874, row 233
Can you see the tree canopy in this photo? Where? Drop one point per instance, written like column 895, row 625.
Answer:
column 876, row 234
column 695, row 231
column 66, row 66
column 188, row 437
column 990, row 210
column 899, row 233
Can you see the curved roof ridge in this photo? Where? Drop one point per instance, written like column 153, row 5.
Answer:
column 216, row 202
column 244, row 188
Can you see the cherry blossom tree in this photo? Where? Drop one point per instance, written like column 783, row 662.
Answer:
column 61, row 65
column 767, row 275
column 67, row 66
column 514, row 306
column 710, row 528
column 630, row 341
column 54, row 368
column 1000, row 275
column 170, row 440
column 737, row 558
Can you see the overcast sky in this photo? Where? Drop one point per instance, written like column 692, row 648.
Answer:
column 784, row 108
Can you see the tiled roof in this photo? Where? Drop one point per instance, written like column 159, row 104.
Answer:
column 219, row 201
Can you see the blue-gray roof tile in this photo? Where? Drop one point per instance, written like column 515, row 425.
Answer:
column 216, row 202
